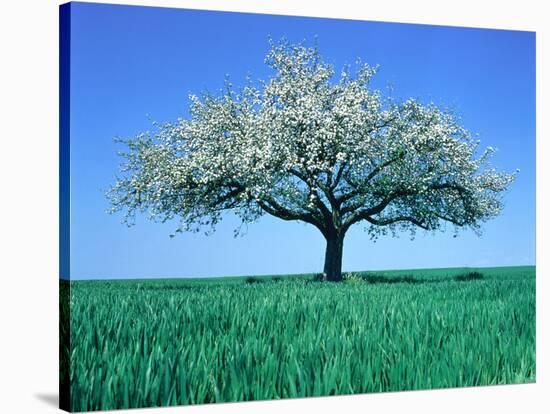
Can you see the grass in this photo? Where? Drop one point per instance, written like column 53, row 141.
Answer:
column 144, row 343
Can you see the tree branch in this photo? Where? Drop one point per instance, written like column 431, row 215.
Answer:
column 385, row 222
column 271, row 207
column 327, row 214
column 366, row 213
column 345, row 197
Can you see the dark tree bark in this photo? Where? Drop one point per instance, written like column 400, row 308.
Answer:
column 333, row 257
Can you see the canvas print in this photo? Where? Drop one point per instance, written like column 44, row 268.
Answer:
column 258, row 207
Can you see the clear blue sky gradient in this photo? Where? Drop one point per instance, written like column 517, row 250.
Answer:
column 132, row 65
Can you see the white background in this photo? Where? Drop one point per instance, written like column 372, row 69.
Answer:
column 29, row 207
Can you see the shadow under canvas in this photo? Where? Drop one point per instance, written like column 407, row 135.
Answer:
column 48, row 398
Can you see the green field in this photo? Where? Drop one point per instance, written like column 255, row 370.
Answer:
column 141, row 343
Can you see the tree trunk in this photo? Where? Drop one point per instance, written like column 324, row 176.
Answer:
column 333, row 258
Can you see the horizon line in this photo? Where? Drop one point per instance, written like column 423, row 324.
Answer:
column 287, row 274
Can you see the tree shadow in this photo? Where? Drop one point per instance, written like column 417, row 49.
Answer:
column 374, row 278
column 462, row 277
column 370, row 278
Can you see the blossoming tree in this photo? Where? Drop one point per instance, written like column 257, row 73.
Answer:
column 308, row 147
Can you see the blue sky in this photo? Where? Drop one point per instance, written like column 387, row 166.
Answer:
column 133, row 65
